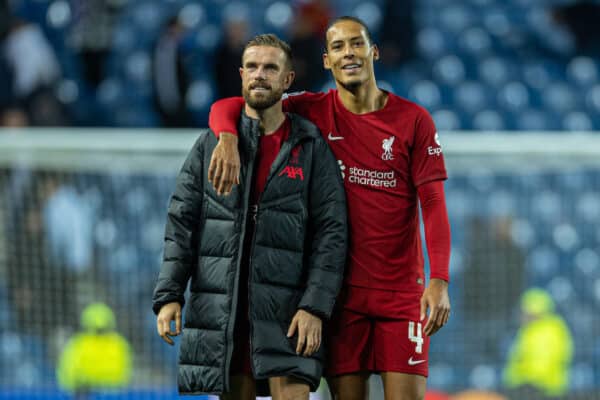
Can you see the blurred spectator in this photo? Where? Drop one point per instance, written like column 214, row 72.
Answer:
column 35, row 71
column 306, row 39
column 228, row 60
column 539, row 362
column 398, row 33
column 11, row 115
column 68, row 219
column 96, row 359
column 91, row 35
column 581, row 18
column 494, row 280
column 170, row 78
column 43, row 291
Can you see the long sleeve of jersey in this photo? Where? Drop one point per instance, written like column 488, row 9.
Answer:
column 225, row 114
column 437, row 228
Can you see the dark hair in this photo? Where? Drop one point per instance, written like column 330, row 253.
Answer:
column 352, row 19
column 271, row 40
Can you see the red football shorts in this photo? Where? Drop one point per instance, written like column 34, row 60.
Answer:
column 377, row 331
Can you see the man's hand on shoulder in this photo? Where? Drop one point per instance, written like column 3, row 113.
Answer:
column 435, row 297
column 224, row 169
column 309, row 329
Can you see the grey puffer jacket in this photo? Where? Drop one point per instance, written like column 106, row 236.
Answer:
column 297, row 257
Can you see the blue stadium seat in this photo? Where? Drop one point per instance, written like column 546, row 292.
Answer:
column 546, row 205
column 488, row 120
column 561, row 289
column 455, row 17
column 535, row 75
column 565, row 236
column 542, row 264
column 577, row 121
column 582, row 377
column 588, row 206
column 471, row 96
column 593, row 99
column 475, row 41
column 446, row 120
column 496, row 21
column 370, row 12
column 495, row 71
column 59, row 15
column 432, row 43
column 582, row 71
column 193, row 15
column 426, row 93
column 501, row 203
column 484, row 376
column 138, row 66
column 514, row 96
column 587, row 269
column 523, row 233
column 559, row 97
column 278, row 15
column 147, row 17
column 449, row 70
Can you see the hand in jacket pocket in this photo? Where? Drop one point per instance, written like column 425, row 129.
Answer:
column 309, row 329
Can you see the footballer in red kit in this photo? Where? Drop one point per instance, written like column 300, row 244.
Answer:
column 391, row 161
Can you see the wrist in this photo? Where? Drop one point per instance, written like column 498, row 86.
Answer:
column 438, row 281
column 228, row 138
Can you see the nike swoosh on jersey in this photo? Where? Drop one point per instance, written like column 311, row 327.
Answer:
column 415, row 362
column 331, row 137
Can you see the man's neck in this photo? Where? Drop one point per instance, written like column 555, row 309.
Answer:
column 270, row 118
column 363, row 99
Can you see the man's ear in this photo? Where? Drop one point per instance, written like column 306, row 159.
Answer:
column 289, row 79
column 241, row 72
column 326, row 63
column 375, row 52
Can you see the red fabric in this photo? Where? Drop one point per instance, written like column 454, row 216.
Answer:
column 224, row 115
column 365, row 336
column 437, row 228
column 385, row 156
column 267, row 152
column 268, row 149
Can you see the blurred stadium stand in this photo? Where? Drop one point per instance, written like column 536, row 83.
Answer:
column 480, row 66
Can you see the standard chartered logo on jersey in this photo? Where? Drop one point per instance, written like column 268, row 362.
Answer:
column 368, row 177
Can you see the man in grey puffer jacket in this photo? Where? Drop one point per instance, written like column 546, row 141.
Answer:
column 265, row 262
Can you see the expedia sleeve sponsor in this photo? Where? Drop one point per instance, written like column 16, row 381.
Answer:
column 426, row 158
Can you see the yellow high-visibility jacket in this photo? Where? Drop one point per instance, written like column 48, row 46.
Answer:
column 541, row 356
column 95, row 361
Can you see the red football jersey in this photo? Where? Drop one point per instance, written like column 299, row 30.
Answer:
column 384, row 156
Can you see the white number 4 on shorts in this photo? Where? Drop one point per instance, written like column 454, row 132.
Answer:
column 416, row 338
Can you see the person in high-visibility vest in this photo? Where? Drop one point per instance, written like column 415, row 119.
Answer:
column 96, row 359
column 541, row 354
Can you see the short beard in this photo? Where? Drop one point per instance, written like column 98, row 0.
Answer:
column 264, row 102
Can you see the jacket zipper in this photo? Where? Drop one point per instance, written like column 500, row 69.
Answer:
column 252, row 246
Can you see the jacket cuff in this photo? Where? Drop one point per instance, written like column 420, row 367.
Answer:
column 317, row 302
